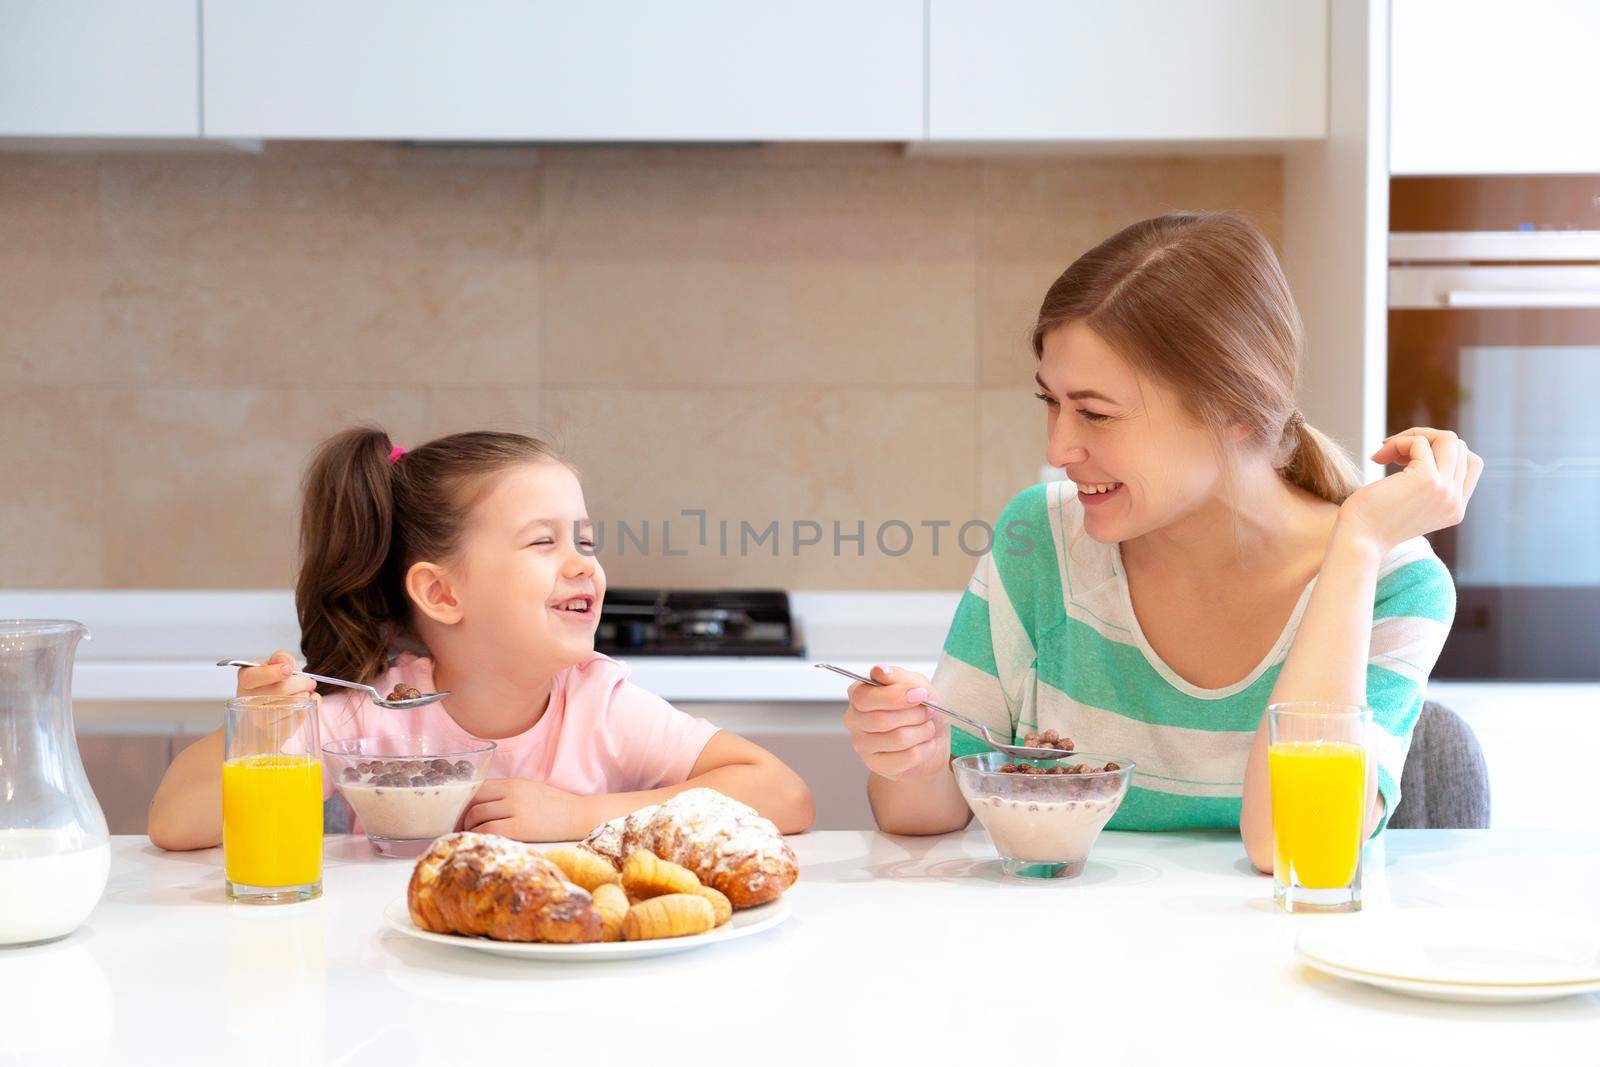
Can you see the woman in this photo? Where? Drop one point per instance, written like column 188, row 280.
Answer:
column 1217, row 555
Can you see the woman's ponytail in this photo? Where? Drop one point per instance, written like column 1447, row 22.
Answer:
column 1317, row 463
column 345, row 595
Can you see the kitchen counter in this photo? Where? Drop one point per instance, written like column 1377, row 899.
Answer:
column 897, row 950
column 161, row 646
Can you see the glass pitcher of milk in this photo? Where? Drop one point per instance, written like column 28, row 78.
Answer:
column 54, row 851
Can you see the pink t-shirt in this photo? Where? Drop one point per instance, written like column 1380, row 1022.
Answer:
column 600, row 733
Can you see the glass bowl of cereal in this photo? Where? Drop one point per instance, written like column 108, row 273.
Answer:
column 406, row 790
column 1043, row 815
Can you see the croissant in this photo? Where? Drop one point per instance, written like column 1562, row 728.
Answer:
column 613, row 905
column 606, row 839
column 721, row 907
column 583, row 869
column 725, row 844
column 489, row 886
column 673, row 915
column 646, row 875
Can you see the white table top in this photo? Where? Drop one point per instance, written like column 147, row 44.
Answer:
column 896, row 950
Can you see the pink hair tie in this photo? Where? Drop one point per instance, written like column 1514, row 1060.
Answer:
column 395, row 453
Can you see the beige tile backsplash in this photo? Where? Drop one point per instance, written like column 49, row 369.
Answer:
column 722, row 323
column 827, row 334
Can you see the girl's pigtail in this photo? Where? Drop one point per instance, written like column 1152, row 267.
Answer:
column 344, row 592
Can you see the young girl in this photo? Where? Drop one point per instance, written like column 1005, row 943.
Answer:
column 1216, row 556
column 465, row 565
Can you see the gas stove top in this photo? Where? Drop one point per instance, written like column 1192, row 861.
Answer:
column 685, row 622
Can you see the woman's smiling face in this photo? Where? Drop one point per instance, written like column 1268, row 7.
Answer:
column 1141, row 460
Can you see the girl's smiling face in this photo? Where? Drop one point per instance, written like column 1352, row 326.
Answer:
column 526, row 584
column 1141, row 461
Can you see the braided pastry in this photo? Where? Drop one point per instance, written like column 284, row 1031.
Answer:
column 490, row 886
column 727, row 845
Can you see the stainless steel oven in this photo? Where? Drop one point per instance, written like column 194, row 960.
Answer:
column 1494, row 330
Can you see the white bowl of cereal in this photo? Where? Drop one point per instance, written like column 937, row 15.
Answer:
column 407, row 791
column 1043, row 815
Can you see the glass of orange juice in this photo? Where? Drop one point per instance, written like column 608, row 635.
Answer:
column 272, row 800
column 1317, row 760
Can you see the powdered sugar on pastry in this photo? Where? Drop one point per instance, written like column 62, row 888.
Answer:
column 489, row 886
column 492, row 854
column 729, row 831
column 607, row 838
column 728, row 845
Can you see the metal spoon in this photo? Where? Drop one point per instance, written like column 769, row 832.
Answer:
column 377, row 698
column 1020, row 751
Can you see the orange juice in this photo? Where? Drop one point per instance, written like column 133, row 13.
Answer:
column 272, row 820
column 1318, row 796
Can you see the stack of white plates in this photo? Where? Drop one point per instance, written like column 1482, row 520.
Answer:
column 1457, row 953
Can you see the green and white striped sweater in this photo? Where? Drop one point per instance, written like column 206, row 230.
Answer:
column 1045, row 638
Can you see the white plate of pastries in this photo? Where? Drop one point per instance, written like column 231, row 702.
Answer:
column 697, row 870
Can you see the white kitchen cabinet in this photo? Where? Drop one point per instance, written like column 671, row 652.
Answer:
column 1491, row 87
column 1136, row 70
column 611, row 70
column 99, row 68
